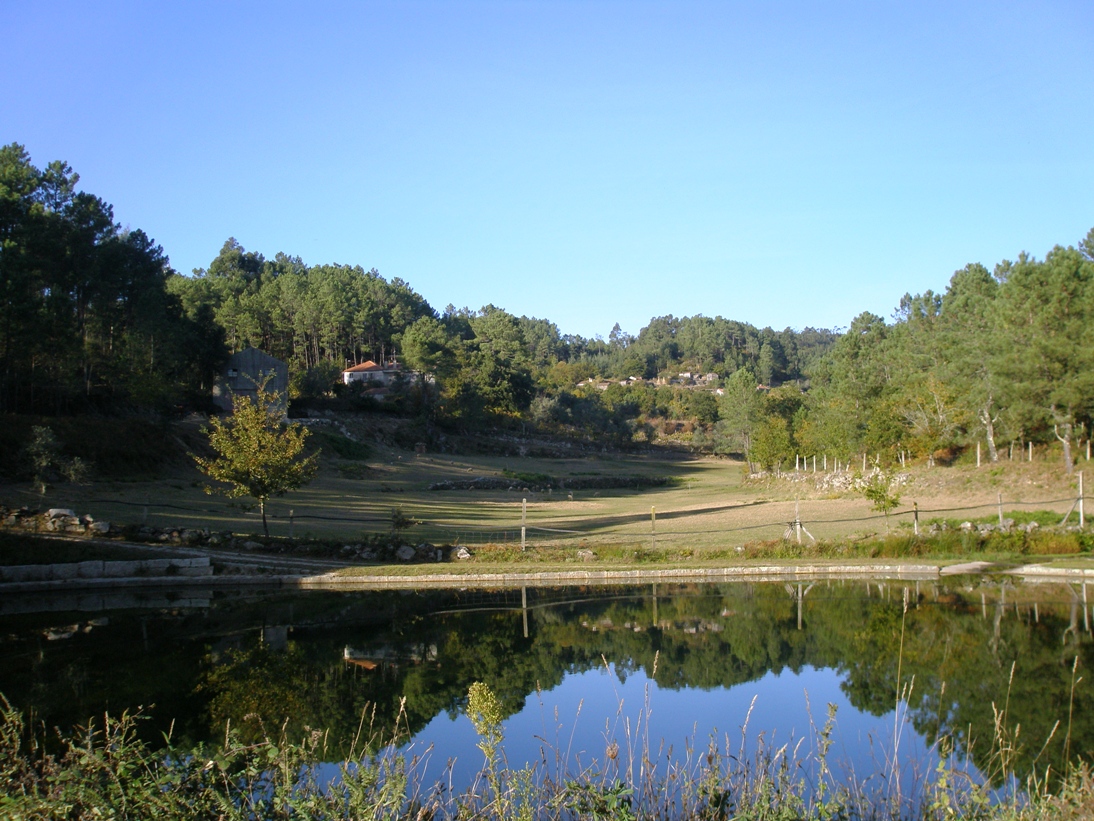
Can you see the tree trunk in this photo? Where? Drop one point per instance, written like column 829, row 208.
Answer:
column 262, row 508
column 989, row 430
column 1063, row 423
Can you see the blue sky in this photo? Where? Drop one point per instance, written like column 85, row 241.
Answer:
column 784, row 164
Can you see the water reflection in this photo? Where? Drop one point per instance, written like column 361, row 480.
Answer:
column 600, row 720
column 698, row 652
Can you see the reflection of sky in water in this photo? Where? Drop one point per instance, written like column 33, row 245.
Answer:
column 594, row 708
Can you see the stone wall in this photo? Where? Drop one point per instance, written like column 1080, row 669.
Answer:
column 183, row 568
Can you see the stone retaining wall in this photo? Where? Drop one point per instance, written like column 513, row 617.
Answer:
column 189, row 568
column 754, row 573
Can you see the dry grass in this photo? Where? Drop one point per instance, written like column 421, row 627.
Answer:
column 711, row 504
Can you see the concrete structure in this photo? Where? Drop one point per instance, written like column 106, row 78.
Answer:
column 245, row 371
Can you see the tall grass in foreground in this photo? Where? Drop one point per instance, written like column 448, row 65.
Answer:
column 106, row 772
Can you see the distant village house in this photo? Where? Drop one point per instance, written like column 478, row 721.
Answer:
column 371, row 372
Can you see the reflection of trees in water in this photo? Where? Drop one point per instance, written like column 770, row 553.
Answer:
column 206, row 668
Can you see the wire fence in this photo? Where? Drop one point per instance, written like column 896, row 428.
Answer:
column 625, row 527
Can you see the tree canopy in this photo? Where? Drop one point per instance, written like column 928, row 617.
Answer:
column 257, row 454
column 93, row 316
column 85, row 317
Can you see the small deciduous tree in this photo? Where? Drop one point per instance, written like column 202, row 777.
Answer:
column 46, row 461
column 259, row 455
column 879, row 490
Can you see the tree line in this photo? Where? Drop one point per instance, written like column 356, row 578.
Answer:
column 86, row 320
column 1002, row 358
column 92, row 316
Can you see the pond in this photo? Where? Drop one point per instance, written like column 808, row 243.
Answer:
column 586, row 677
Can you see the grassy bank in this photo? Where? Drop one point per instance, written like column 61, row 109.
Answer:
column 603, row 498
column 1053, row 545
column 607, row 509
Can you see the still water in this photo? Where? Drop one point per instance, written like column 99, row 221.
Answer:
column 582, row 674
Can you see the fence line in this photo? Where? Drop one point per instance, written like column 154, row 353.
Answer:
column 490, row 533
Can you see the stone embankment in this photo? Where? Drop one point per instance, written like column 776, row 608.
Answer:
column 547, row 483
column 54, row 520
column 65, row 522
column 139, row 568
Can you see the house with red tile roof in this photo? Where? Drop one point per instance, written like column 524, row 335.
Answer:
column 370, row 371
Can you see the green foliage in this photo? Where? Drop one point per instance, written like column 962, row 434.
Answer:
column 322, row 379
column 116, row 447
column 602, row 803
column 86, row 320
column 530, row 478
column 46, row 461
column 879, row 489
column 486, row 716
column 771, row 445
column 1004, row 355
column 400, row 521
column 258, row 455
column 342, row 446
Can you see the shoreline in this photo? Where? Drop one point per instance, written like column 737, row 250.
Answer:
column 339, row 579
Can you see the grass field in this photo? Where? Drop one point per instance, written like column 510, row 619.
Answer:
column 709, row 504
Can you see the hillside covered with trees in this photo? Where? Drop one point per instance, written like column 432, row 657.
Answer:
column 92, row 318
column 86, row 321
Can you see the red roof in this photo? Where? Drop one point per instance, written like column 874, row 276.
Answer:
column 363, row 367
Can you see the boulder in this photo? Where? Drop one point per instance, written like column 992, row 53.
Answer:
column 405, row 553
column 462, row 553
column 60, row 512
column 426, row 552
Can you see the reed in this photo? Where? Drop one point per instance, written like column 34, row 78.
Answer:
column 105, row 771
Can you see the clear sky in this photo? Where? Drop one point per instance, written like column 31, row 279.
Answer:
column 780, row 163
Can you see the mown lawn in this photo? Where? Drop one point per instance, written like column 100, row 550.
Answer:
column 709, row 504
